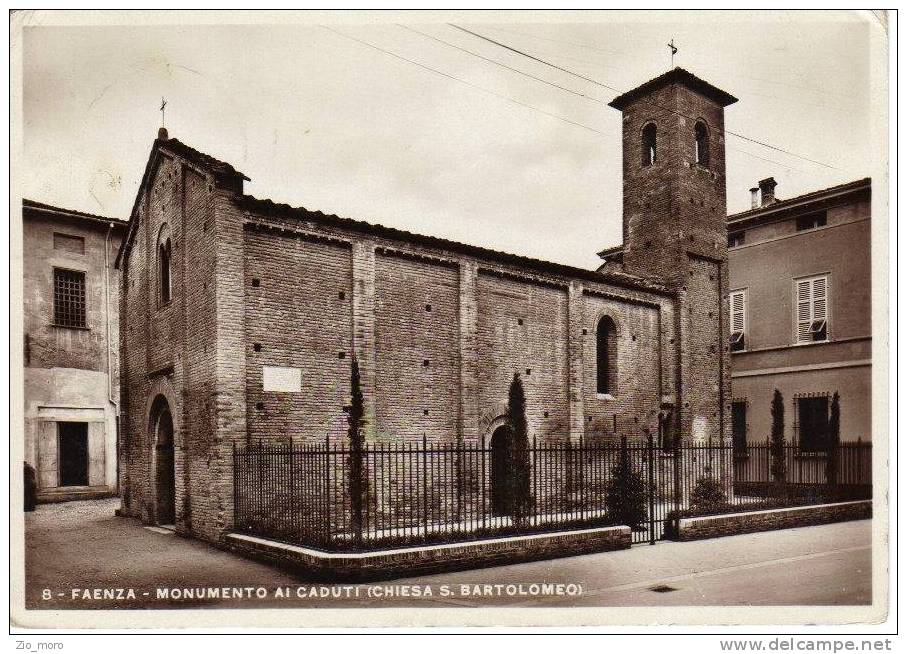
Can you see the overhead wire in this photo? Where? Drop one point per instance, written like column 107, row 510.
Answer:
column 649, row 102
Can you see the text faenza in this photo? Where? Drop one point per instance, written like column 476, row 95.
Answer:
column 103, row 593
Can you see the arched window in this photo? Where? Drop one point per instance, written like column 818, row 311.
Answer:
column 606, row 356
column 702, row 144
column 649, row 147
column 164, row 252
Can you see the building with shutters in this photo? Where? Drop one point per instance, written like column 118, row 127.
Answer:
column 71, row 292
column 800, row 312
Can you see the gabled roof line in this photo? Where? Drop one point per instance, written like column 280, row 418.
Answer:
column 802, row 200
column 72, row 213
column 217, row 168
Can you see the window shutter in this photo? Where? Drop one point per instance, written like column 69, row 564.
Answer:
column 804, row 297
column 738, row 311
column 812, row 309
column 819, row 299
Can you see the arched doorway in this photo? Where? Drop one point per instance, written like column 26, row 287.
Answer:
column 501, row 471
column 164, row 473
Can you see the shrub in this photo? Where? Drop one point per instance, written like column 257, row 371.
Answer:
column 707, row 495
column 626, row 497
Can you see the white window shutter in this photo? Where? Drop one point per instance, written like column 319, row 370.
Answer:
column 804, row 314
column 819, row 298
column 738, row 311
column 812, row 307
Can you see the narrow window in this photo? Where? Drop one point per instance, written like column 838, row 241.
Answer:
column 606, row 356
column 812, row 310
column 649, row 145
column 702, row 144
column 737, row 303
column 812, row 221
column 736, row 239
column 164, row 252
column 812, row 423
column 69, row 298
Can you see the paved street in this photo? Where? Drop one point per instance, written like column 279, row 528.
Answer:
column 82, row 545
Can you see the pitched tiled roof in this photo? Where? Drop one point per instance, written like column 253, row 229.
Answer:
column 41, row 206
column 200, row 158
column 859, row 185
column 615, row 278
column 675, row 76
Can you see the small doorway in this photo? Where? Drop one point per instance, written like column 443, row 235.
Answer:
column 72, row 450
column 501, row 471
column 165, row 477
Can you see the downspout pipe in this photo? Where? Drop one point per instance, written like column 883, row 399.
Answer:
column 110, row 396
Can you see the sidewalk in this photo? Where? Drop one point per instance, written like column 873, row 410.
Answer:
column 81, row 545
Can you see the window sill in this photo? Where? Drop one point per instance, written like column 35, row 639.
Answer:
column 604, row 396
column 58, row 326
column 808, row 343
column 165, row 305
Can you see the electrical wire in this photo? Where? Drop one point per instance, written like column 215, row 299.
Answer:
column 650, row 103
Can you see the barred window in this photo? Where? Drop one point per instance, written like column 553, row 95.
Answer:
column 69, row 298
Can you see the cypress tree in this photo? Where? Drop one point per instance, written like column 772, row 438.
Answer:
column 776, row 448
column 834, row 441
column 519, row 475
column 356, row 437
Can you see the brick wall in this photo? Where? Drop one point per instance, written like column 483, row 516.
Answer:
column 299, row 315
column 745, row 523
column 417, row 356
column 522, row 328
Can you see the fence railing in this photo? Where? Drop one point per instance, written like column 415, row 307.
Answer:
column 414, row 493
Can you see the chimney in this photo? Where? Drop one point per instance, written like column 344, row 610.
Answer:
column 162, row 134
column 754, row 197
column 767, row 187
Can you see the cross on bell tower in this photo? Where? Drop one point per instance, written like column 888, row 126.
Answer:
column 162, row 132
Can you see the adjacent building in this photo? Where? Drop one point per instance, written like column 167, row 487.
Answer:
column 71, row 290
column 241, row 317
column 800, row 305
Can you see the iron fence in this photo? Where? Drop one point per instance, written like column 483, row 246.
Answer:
column 417, row 493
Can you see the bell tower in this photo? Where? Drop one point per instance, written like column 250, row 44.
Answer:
column 673, row 173
column 674, row 229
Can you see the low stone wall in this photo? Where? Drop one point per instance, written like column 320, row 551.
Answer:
column 729, row 524
column 387, row 564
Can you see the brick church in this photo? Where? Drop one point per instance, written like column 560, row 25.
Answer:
column 240, row 318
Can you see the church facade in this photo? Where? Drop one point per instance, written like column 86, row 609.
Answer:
column 240, row 318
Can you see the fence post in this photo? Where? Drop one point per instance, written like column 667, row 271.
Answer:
column 650, row 451
column 235, row 487
column 327, row 486
column 482, row 484
column 425, row 482
column 678, row 484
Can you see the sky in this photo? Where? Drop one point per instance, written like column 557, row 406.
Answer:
column 319, row 118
